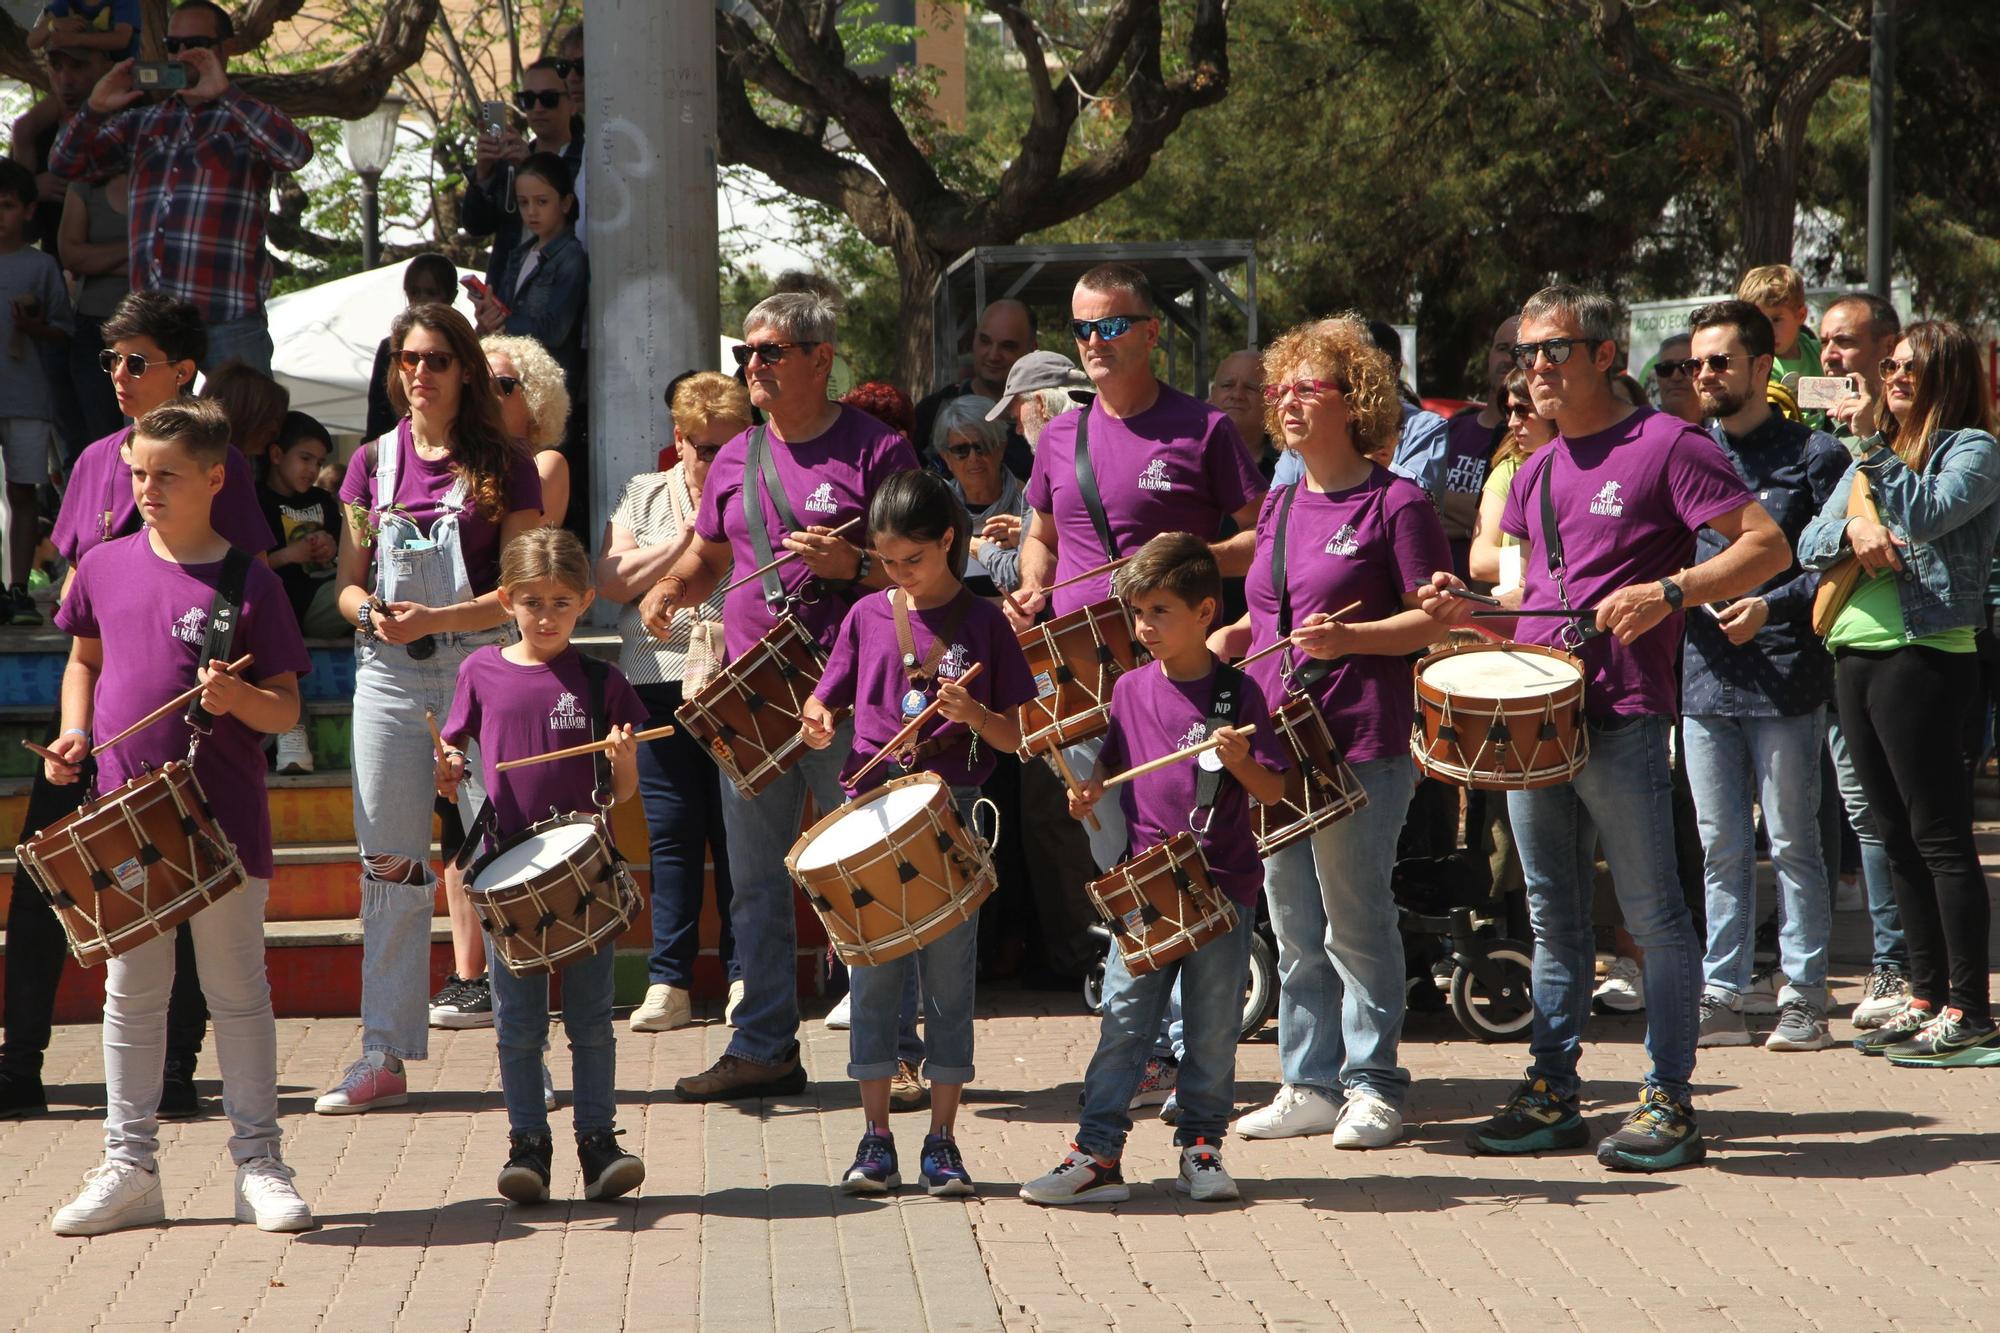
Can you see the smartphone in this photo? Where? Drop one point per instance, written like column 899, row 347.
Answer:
column 159, row 76
column 493, row 118
column 477, row 287
column 1716, row 608
column 1819, row 392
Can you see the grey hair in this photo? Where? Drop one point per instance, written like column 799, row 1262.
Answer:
column 1053, row 402
column 808, row 316
column 967, row 415
column 1595, row 315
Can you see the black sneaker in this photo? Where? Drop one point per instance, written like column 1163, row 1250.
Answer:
column 178, row 1098
column 1533, row 1120
column 21, row 1094
column 22, row 609
column 608, row 1170
column 525, row 1178
column 1895, row 1030
column 470, row 1005
column 1949, row 1040
column 1659, row 1136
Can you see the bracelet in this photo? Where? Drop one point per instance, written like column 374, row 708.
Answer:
column 862, row 566
column 76, row 731
column 680, row 587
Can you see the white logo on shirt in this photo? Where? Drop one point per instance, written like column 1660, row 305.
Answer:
column 821, row 501
column 1344, row 542
column 1608, row 501
column 567, row 715
column 1467, row 473
column 1154, row 478
column 955, row 662
column 1196, row 734
column 192, row 627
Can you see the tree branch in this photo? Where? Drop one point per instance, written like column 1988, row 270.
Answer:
column 802, row 165
column 259, row 18
column 351, row 86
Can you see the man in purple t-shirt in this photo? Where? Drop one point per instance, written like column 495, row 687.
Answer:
column 1628, row 488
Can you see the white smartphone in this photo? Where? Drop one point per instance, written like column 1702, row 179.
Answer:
column 1819, row 392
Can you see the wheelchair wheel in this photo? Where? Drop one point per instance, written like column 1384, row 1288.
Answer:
column 1260, row 992
column 1490, row 998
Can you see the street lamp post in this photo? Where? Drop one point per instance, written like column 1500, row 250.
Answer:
column 370, row 143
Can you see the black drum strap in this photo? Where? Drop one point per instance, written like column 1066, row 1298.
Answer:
column 1224, row 707
column 224, row 613
column 1552, row 538
column 760, row 477
column 595, row 672
column 1315, row 669
column 1086, row 485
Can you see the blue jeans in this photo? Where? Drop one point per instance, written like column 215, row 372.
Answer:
column 1108, row 839
column 1340, row 955
column 1883, row 919
column 681, row 789
column 1211, row 980
column 1623, row 796
column 521, row 1026
column 1773, row 762
column 247, row 340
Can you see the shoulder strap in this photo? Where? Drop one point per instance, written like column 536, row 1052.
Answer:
column 223, row 614
column 1086, row 484
column 1579, row 626
column 1224, row 706
column 596, row 671
column 1313, row 670
column 922, row 669
column 760, row 476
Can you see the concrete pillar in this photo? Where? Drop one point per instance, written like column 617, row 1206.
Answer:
column 649, row 217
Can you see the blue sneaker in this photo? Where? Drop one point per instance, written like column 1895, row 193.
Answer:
column 1533, row 1120
column 944, row 1170
column 874, row 1170
column 1659, row 1136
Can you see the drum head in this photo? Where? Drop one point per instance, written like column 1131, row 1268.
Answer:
column 866, row 824
column 1499, row 673
column 535, row 856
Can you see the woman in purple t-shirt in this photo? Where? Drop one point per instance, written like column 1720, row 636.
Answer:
column 1349, row 531
column 428, row 509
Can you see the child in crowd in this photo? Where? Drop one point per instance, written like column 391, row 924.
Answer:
column 34, row 308
column 1780, row 292
column 140, row 609
column 1180, row 698
column 544, row 290
column 111, row 26
column 305, row 522
column 522, row 700
column 897, row 652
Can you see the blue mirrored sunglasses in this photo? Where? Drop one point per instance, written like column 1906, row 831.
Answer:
column 1111, row 326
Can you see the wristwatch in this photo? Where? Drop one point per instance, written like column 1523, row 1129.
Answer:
column 364, row 620
column 862, row 566
column 1672, row 592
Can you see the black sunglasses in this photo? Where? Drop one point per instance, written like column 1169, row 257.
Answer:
column 706, row 452
column 1715, row 361
column 437, row 363
column 964, row 451
column 769, row 353
column 549, row 98
column 1557, row 350
column 135, row 365
column 565, row 68
column 176, row 45
column 506, row 384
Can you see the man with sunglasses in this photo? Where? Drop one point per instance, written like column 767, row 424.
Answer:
column 1006, row 333
column 204, row 245
column 1610, row 511
column 543, row 99
column 1673, row 387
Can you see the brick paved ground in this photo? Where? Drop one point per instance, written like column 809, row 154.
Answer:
column 1841, row 1194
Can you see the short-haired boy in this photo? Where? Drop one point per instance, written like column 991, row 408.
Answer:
column 139, row 607
column 34, row 310
column 1780, row 292
column 1175, row 701
column 305, row 524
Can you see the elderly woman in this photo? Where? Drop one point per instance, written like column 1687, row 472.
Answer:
column 827, row 461
column 679, row 784
column 1347, row 531
column 973, row 448
column 534, row 405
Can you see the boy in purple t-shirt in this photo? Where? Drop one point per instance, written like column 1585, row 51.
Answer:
column 139, row 609
column 1182, row 697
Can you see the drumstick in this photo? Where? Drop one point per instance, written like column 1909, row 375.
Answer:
column 761, row 571
column 573, row 751
column 1167, row 761
column 437, row 738
column 1019, row 610
column 1068, row 776
column 1268, row 649
column 911, row 727
column 169, row 706
column 1089, row 573
column 1468, row 595
column 42, row 750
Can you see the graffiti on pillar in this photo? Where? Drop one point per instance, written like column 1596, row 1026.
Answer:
column 630, row 160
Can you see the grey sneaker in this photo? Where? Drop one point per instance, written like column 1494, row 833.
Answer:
column 1801, row 1027
column 1721, row 1022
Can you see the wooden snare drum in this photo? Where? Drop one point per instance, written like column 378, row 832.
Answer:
column 747, row 714
column 892, row 870
column 552, row 893
column 1500, row 716
column 1161, row 906
column 1320, row 788
column 1075, row 660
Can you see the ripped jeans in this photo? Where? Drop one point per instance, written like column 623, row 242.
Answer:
column 394, row 784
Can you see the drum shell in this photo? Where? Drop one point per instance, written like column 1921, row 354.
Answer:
column 155, row 876
column 1161, row 905
column 1320, row 788
column 591, row 897
column 1075, row 660
column 1548, row 729
column 747, row 714
column 951, row 874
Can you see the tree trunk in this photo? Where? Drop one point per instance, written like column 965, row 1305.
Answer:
column 1769, row 173
column 918, row 267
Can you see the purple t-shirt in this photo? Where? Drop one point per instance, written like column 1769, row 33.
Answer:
column 1370, row 544
column 865, row 671
column 421, row 486
column 98, row 504
column 827, row 480
column 152, row 616
column 1468, row 451
column 1152, row 716
column 1627, row 503
column 1179, row 466
column 515, row 712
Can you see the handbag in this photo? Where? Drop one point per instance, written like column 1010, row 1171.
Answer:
column 1837, row 584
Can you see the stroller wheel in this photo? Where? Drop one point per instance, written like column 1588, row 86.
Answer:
column 1490, row 990
column 1260, row 992
column 1093, row 988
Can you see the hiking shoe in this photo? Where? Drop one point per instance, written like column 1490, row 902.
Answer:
column 1720, row 1022
column 665, row 1008
column 1659, row 1136
column 1801, row 1027
column 1294, row 1113
column 1883, row 997
column 907, row 1092
column 21, row 1094
column 115, row 1195
column 266, row 1195
column 525, row 1178
column 468, row 1006
column 366, row 1086
column 838, row 1018
column 1203, row 1177
column 294, row 751
column 1898, row 1028
column 735, row 999
column 1942, row 1041
column 1078, row 1178
column 22, row 609
column 1163, row 1073
column 1368, row 1120
column 1762, row 997
column 1619, row 992
column 732, row 1078
column 608, row 1170
column 944, row 1170
column 874, row 1170
column 178, row 1098
column 1533, row 1120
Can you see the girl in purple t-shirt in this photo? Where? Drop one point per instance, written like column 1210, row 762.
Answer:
column 896, row 653
column 534, row 697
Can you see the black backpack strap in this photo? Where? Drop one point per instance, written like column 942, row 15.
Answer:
column 1086, row 485
column 223, row 615
column 760, row 477
column 1225, row 705
column 1313, row 670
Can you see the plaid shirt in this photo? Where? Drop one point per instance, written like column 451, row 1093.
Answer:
column 200, row 189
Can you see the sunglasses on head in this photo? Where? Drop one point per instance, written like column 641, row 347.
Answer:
column 1108, row 328
column 506, row 384
column 547, row 98
column 969, row 449
column 135, row 365
column 769, row 353
column 1557, row 350
column 437, row 363
column 176, row 45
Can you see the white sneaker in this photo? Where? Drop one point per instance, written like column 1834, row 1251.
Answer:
column 1620, row 992
column 1078, row 1178
column 1367, row 1121
column 1849, row 896
column 666, row 1008
column 837, row 1017
column 115, row 1195
column 294, row 753
column 1762, row 997
column 368, row 1085
column 735, row 999
column 1888, row 990
column 1203, row 1176
column 265, row 1195
column 1294, row 1113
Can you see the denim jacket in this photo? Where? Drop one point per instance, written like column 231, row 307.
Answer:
column 1947, row 515
column 552, row 306
column 1783, row 670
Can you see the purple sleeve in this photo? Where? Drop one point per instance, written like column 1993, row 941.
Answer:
column 524, row 484
column 1266, row 747
column 237, row 515
column 1417, row 537
column 74, row 616
column 1012, row 684
column 893, row 454
column 708, row 517
column 462, row 723
column 269, row 629
column 838, row 682
column 1701, row 481
column 1112, row 758
column 1233, row 480
column 86, row 481
column 621, row 702
column 1040, row 493
column 358, row 485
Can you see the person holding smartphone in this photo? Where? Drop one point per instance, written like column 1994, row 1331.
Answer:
column 490, row 210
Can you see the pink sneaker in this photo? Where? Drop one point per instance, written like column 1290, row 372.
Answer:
column 366, row 1086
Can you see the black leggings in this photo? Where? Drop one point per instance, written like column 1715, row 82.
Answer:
column 1902, row 713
